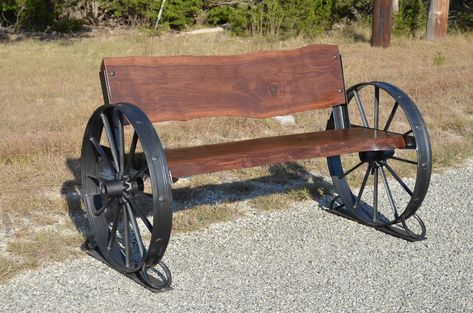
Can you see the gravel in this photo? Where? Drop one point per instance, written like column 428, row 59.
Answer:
column 298, row 260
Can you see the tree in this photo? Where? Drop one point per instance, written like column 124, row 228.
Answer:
column 395, row 6
column 438, row 20
column 382, row 23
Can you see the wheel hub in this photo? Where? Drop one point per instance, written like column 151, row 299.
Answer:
column 120, row 187
column 112, row 188
column 371, row 156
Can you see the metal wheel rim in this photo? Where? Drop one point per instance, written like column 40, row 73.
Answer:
column 423, row 152
column 157, row 169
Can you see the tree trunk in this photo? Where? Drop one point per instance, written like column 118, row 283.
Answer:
column 395, row 6
column 160, row 14
column 382, row 21
column 438, row 20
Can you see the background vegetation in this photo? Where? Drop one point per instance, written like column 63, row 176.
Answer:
column 245, row 17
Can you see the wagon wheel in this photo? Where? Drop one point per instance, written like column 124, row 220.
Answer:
column 126, row 191
column 372, row 184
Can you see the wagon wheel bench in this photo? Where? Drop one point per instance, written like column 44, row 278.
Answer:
column 126, row 173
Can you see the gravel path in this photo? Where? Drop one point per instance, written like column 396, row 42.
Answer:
column 303, row 259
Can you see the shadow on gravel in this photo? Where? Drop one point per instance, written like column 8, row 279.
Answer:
column 283, row 178
column 70, row 190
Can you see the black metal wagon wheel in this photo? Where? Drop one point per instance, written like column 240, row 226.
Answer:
column 127, row 193
column 384, row 188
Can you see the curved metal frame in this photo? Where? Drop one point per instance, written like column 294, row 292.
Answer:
column 99, row 192
column 423, row 152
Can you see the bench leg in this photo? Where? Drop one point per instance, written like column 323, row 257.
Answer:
column 400, row 230
column 372, row 185
column 126, row 188
column 138, row 277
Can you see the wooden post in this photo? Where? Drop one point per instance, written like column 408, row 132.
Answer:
column 438, row 20
column 382, row 21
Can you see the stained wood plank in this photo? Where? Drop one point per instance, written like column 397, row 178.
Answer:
column 261, row 84
column 262, row 151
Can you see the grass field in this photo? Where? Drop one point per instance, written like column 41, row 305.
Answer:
column 49, row 89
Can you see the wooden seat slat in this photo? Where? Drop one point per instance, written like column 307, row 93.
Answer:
column 262, row 151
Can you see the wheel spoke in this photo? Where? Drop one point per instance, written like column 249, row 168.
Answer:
column 388, row 192
column 120, row 139
column 400, row 181
column 362, row 188
column 402, row 160
column 391, row 116
column 376, row 107
column 359, row 103
column 136, row 230
column 101, row 153
column 97, row 180
column 126, row 226
column 113, row 231
column 104, row 207
column 375, row 195
column 139, row 173
column 111, row 140
column 350, row 170
column 131, row 154
column 137, row 209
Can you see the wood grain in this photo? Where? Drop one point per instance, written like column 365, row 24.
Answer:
column 259, row 85
column 256, row 152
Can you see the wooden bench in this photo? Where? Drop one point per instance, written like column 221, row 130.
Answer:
column 127, row 173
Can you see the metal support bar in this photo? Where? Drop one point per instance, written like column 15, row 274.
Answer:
column 94, row 252
column 396, row 230
column 340, row 116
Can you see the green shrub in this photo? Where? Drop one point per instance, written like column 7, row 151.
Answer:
column 411, row 17
column 279, row 18
column 275, row 17
column 177, row 14
column 310, row 17
column 353, row 9
column 39, row 15
column 439, row 59
column 180, row 13
column 461, row 15
column 133, row 12
column 67, row 25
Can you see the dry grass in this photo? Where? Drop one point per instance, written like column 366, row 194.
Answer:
column 8, row 268
column 49, row 89
column 202, row 216
column 45, row 246
column 273, row 202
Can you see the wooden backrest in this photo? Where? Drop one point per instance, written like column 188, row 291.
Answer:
column 261, row 84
